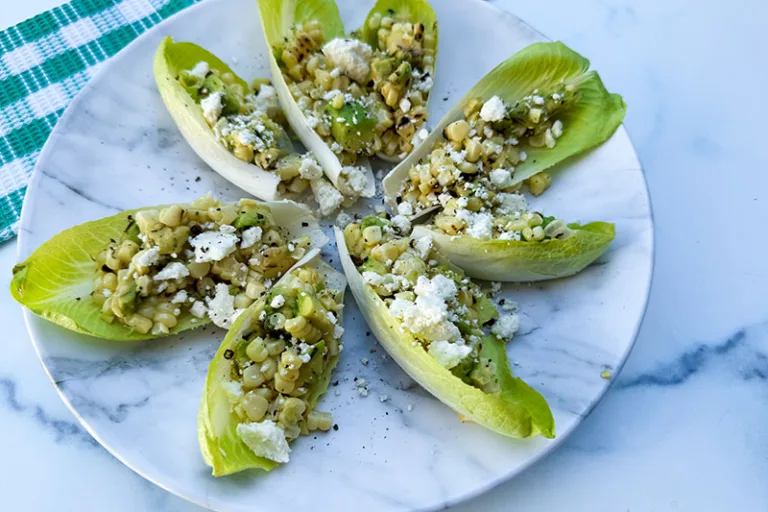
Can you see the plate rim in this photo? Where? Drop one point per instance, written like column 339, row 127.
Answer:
column 499, row 479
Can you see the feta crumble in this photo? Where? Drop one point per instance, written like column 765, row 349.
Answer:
column 351, row 56
column 147, row 258
column 221, row 308
column 171, row 271
column 493, row 110
column 213, row 246
column 277, row 302
column 212, row 106
column 266, row 439
column 250, row 237
column 309, row 169
column 506, row 326
column 200, row 70
column 448, row 354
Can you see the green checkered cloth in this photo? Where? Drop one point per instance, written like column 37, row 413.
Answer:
column 44, row 62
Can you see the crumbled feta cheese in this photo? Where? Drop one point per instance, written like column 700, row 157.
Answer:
column 405, row 105
column 147, row 258
column 427, row 317
column 538, row 100
column 439, row 286
column 362, row 387
column 511, row 203
column 173, row 270
column 510, row 235
column 200, row 70
column 198, row 309
column 488, row 132
column 523, row 156
column 326, row 196
column 425, row 84
column 233, row 390
column 501, row 178
column 213, row 246
column 226, row 228
column 383, row 398
column 549, row 140
column 351, row 56
column 506, row 326
column 304, row 350
column 266, row 439
column 402, row 224
column 180, row 297
column 277, row 302
column 509, row 305
column 493, row 110
column 354, row 181
column 405, row 208
column 480, row 226
column 221, row 308
column 309, row 169
column 373, row 278
column 338, row 332
column 266, row 100
column 250, row 237
column 557, row 129
column 423, row 245
column 212, row 106
column 448, row 354
column 364, row 361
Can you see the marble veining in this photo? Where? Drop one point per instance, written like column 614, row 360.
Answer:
column 397, row 449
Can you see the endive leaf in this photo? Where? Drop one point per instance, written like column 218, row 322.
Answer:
column 278, row 19
column 516, row 411
column 221, row 446
column 170, row 59
column 56, row 281
column 589, row 120
column 521, row 261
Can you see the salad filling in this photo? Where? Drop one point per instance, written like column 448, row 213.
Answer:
column 251, row 125
column 208, row 259
column 501, row 215
column 278, row 363
column 476, row 157
column 362, row 99
column 444, row 311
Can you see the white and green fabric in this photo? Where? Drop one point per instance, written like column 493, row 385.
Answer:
column 44, row 62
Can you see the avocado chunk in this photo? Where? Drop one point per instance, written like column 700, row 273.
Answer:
column 351, row 126
column 250, row 218
column 372, row 265
column 382, row 68
column 124, row 304
column 230, row 100
column 373, row 220
column 486, row 311
column 402, row 74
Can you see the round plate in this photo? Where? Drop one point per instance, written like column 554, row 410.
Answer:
column 399, row 448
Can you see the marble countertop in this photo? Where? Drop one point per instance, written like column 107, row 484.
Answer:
column 683, row 426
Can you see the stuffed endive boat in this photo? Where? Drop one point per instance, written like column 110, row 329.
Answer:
column 155, row 271
column 348, row 98
column 268, row 374
column 432, row 320
column 533, row 111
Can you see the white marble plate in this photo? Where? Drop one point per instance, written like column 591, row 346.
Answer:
column 117, row 148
